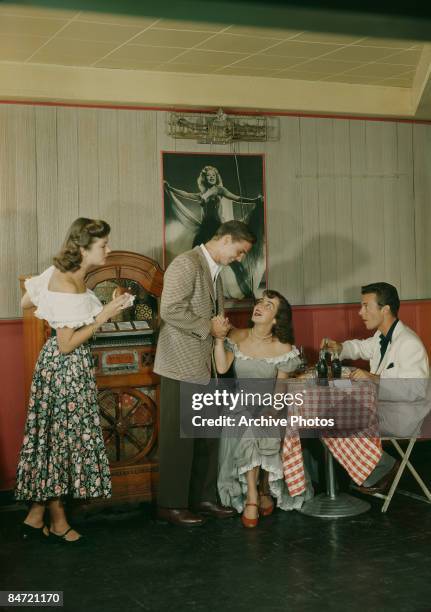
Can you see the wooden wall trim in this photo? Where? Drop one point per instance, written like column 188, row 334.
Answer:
column 212, row 109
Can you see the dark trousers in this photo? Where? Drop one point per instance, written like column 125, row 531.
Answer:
column 187, row 467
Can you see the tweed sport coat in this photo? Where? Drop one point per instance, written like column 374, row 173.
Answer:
column 188, row 302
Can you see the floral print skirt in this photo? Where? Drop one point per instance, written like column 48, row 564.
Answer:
column 63, row 452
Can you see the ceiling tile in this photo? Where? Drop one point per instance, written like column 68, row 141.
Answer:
column 300, row 75
column 195, row 26
column 192, row 47
column 30, row 26
column 263, row 32
column 184, row 39
column 214, row 58
column 77, row 52
column 102, row 32
column 360, row 54
column 353, row 80
column 236, row 70
column 327, row 66
column 147, row 54
column 238, row 44
column 333, row 39
column 378, row 70
column 408, row 74
column 127, row 64
column 188, row 68
column 19, row 48
column 398, row 82
column 126, row 20
column 270, row 61
column 63, row 60
column 28, row 11
column 387, row 42
column 407, row 58
column 302, row 49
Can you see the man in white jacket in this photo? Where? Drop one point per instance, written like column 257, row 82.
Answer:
column 398, row 364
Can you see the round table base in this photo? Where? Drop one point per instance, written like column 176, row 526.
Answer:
column 339, row 506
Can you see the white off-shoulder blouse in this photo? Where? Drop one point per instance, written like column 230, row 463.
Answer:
column 61, row 309
column 262, row 367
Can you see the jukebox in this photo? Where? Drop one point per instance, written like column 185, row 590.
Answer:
column 123, row 352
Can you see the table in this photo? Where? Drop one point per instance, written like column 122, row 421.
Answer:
column 355, row 412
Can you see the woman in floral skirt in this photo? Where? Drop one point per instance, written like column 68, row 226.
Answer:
column 63, row 452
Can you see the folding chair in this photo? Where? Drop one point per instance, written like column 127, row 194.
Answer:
column 404, row 463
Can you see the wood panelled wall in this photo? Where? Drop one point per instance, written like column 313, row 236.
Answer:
column 348, row 201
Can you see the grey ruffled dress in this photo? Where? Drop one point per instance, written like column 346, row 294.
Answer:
column 239, row 455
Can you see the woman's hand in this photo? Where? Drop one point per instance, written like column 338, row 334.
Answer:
column 68, row 338
column 332, row 345
column 225, row 323
column 220, row 326
column 114, row 307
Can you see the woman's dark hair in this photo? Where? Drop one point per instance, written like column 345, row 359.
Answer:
column 82, row 233
column 283, row 328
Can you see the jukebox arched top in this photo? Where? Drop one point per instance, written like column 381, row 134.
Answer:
column 121, row 265
column 136, row 274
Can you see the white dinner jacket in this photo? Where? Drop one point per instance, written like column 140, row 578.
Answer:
column 405, row 357
column 402, row 403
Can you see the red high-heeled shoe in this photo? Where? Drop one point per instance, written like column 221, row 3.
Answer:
column 268, row 510
column 250, row 522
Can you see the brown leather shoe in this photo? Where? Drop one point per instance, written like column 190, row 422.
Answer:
column 211, row 509
column 384, row 484
column 180, row 516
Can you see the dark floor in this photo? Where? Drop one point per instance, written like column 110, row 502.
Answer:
column 291, row 562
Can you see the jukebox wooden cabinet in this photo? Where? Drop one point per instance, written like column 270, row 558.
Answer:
column 123, row 352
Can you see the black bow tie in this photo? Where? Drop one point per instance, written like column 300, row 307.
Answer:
column 384, row 343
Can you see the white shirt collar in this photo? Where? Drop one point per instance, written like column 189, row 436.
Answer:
column 214, row 267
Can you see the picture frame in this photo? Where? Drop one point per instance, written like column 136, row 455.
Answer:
column 203, row 190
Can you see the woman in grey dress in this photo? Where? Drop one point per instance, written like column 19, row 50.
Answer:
column 250, row 468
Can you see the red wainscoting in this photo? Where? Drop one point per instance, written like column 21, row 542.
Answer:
column 342, row 321
column 12, row 400
column 312, row 323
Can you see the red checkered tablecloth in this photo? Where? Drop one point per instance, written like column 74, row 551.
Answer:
column 357, row 445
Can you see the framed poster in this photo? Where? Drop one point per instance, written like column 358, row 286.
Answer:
column 203, row 190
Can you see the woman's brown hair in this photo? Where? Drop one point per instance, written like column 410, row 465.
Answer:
column 82, row 233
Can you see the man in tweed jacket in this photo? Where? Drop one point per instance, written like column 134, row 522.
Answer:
column 191, row 300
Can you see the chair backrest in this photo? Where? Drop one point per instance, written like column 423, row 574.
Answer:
column 425, row 433
column 425, row 430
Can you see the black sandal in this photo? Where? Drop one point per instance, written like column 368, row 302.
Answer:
column 33, row 533
column 62, row 538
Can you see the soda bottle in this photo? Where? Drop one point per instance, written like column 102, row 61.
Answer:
column 303, row 359
column 322, row 368
column 335, row 365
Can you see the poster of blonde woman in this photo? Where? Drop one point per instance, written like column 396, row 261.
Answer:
column 203, row 190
